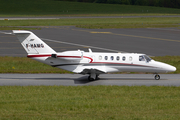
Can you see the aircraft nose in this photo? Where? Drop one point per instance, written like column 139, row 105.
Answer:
column 171, row 68
column 166, row 67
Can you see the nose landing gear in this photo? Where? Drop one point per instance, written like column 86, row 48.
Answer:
column 157, row 77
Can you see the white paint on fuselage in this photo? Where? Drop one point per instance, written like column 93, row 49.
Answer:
column 77, row 61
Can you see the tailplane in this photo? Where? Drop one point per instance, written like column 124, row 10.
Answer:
column 31, row 43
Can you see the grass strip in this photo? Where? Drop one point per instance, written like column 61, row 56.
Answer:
column 26, row 65
column 58, row 8
column 89, row 102
column 99, row 22
column 18, row 28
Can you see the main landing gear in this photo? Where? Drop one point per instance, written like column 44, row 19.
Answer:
column 157, row 77
column 92, row 78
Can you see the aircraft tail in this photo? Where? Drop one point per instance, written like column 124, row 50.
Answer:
column 31, row 43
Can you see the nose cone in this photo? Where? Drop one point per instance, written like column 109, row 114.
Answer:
column 171, row 68
column 165, row 67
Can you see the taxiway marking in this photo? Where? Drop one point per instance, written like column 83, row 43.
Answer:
column 10, row 42
column 101, row 32
column 146, row 37
column 12, row 48
column 170, row 40
column 81, row 45
column 165, row 29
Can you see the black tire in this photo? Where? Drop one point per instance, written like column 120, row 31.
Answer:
column 97, row 77
column 157, row 77
column 90, row 79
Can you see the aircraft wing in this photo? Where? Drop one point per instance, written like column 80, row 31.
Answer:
column 92, row 70
column 88, row 70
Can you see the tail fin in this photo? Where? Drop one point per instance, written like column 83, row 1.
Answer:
column 31, row 43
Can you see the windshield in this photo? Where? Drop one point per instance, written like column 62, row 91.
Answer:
column 147, row 58
column 144, row 58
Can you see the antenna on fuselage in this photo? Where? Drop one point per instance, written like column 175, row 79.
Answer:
column 90, row 50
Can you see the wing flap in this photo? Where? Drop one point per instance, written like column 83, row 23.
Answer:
column 90, row 71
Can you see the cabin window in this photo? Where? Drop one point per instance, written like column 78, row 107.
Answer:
column 106, row 57
column 117, row 58
column 130, row 58
column 112, row 57
column 100, row 57
column 123, row 58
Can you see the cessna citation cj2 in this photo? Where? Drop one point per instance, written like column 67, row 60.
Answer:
column 91, row 63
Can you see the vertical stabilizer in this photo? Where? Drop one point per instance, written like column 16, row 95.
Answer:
column 31, row 43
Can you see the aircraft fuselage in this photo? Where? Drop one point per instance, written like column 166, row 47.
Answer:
column 77, row 61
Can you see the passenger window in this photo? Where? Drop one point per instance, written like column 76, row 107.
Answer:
column 123, row 58
column 130, row 58
column 117, row 58
column 106, row 57
column 112, row 57
column 100, row 57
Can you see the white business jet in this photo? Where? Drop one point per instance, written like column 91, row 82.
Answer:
column 92, row 63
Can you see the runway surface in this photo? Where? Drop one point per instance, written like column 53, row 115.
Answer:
column 151, row 41
column 79, row 80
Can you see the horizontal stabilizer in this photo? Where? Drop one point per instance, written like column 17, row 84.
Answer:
column 9, row 33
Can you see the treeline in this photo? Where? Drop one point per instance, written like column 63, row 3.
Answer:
column 157, row 3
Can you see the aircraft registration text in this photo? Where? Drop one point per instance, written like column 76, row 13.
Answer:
column 35, row 45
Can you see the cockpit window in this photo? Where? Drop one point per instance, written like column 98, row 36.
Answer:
column 147, row 58
column 141, row 58
column 144, row 58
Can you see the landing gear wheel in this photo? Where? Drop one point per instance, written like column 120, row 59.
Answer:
column 97, row 77
column 90, row 79
column 157, row 77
